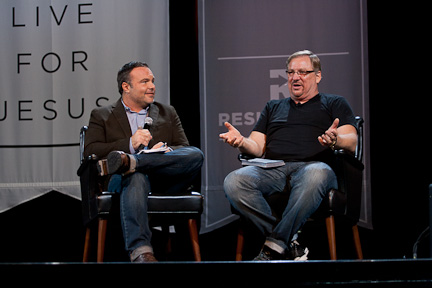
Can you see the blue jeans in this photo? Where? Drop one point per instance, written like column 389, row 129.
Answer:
column 171, row 172
column 247, row 187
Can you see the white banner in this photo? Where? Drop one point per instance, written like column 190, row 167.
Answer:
column 59, row 61
column 243, row 49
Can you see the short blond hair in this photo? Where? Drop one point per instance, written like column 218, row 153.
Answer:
column 316, row 63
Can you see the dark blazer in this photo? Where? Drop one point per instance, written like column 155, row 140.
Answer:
column 109, row 129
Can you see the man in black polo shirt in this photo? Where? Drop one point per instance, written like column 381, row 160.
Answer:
column 301, row 130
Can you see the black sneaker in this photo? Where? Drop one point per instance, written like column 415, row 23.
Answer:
column 268, row 254
column 296, row 252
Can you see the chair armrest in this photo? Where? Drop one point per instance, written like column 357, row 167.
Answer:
column 348, row 170
column 87, row 161
column 350, row 158
column 349, row 173
column 90, row 188
column 245, row 156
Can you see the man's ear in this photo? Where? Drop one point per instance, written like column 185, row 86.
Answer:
column 125, row 87
column 318, row 77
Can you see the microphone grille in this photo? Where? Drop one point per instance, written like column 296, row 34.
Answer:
column 148, row 121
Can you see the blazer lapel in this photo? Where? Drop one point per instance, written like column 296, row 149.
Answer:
column 153, row 113
column 120, row 114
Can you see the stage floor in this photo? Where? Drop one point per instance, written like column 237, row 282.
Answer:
column 341, row 273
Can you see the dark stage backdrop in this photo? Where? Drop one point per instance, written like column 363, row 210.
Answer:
column 59, row 61
column 243, row 47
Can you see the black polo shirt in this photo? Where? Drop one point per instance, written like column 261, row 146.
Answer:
column 292, row 130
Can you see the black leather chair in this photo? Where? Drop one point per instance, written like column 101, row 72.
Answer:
column 344, row 202
column 163, row 209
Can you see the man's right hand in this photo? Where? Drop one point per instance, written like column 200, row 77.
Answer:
column 232, row 137
column 141, row 136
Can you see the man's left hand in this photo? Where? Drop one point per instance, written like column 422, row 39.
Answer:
column 329, row 138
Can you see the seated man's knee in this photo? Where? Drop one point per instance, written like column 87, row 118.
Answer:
column 197, row 155
column 193, row 155
column 320, row 172
column 231, row 184
column 237, row 182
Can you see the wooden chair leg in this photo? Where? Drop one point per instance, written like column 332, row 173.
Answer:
column 166, row 233
column 86, row 245
column 102, row 227
column 240, row 244
column 193, row 232
column 357, row 243
column 331, row 235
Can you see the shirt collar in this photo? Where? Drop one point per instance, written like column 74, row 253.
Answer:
column 128, row 110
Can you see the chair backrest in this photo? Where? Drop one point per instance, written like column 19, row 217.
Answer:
column 82, row 142
column 359, row 148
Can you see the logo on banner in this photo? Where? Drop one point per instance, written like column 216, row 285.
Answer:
column 276, row 91
column 250, row 118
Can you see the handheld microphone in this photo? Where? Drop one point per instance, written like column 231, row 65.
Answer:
column 148, row 122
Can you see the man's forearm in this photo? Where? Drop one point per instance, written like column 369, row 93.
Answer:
column 249, row 146
column 347, row 142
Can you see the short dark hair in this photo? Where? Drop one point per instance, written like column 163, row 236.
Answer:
column 123, row 73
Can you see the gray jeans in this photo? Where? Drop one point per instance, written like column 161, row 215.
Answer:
column 246, row 188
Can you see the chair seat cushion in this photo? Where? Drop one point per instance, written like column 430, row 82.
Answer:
column 191, row 203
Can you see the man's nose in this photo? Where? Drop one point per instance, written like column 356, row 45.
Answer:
column 296, row 76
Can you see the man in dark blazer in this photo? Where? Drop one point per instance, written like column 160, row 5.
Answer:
column 118, row 132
